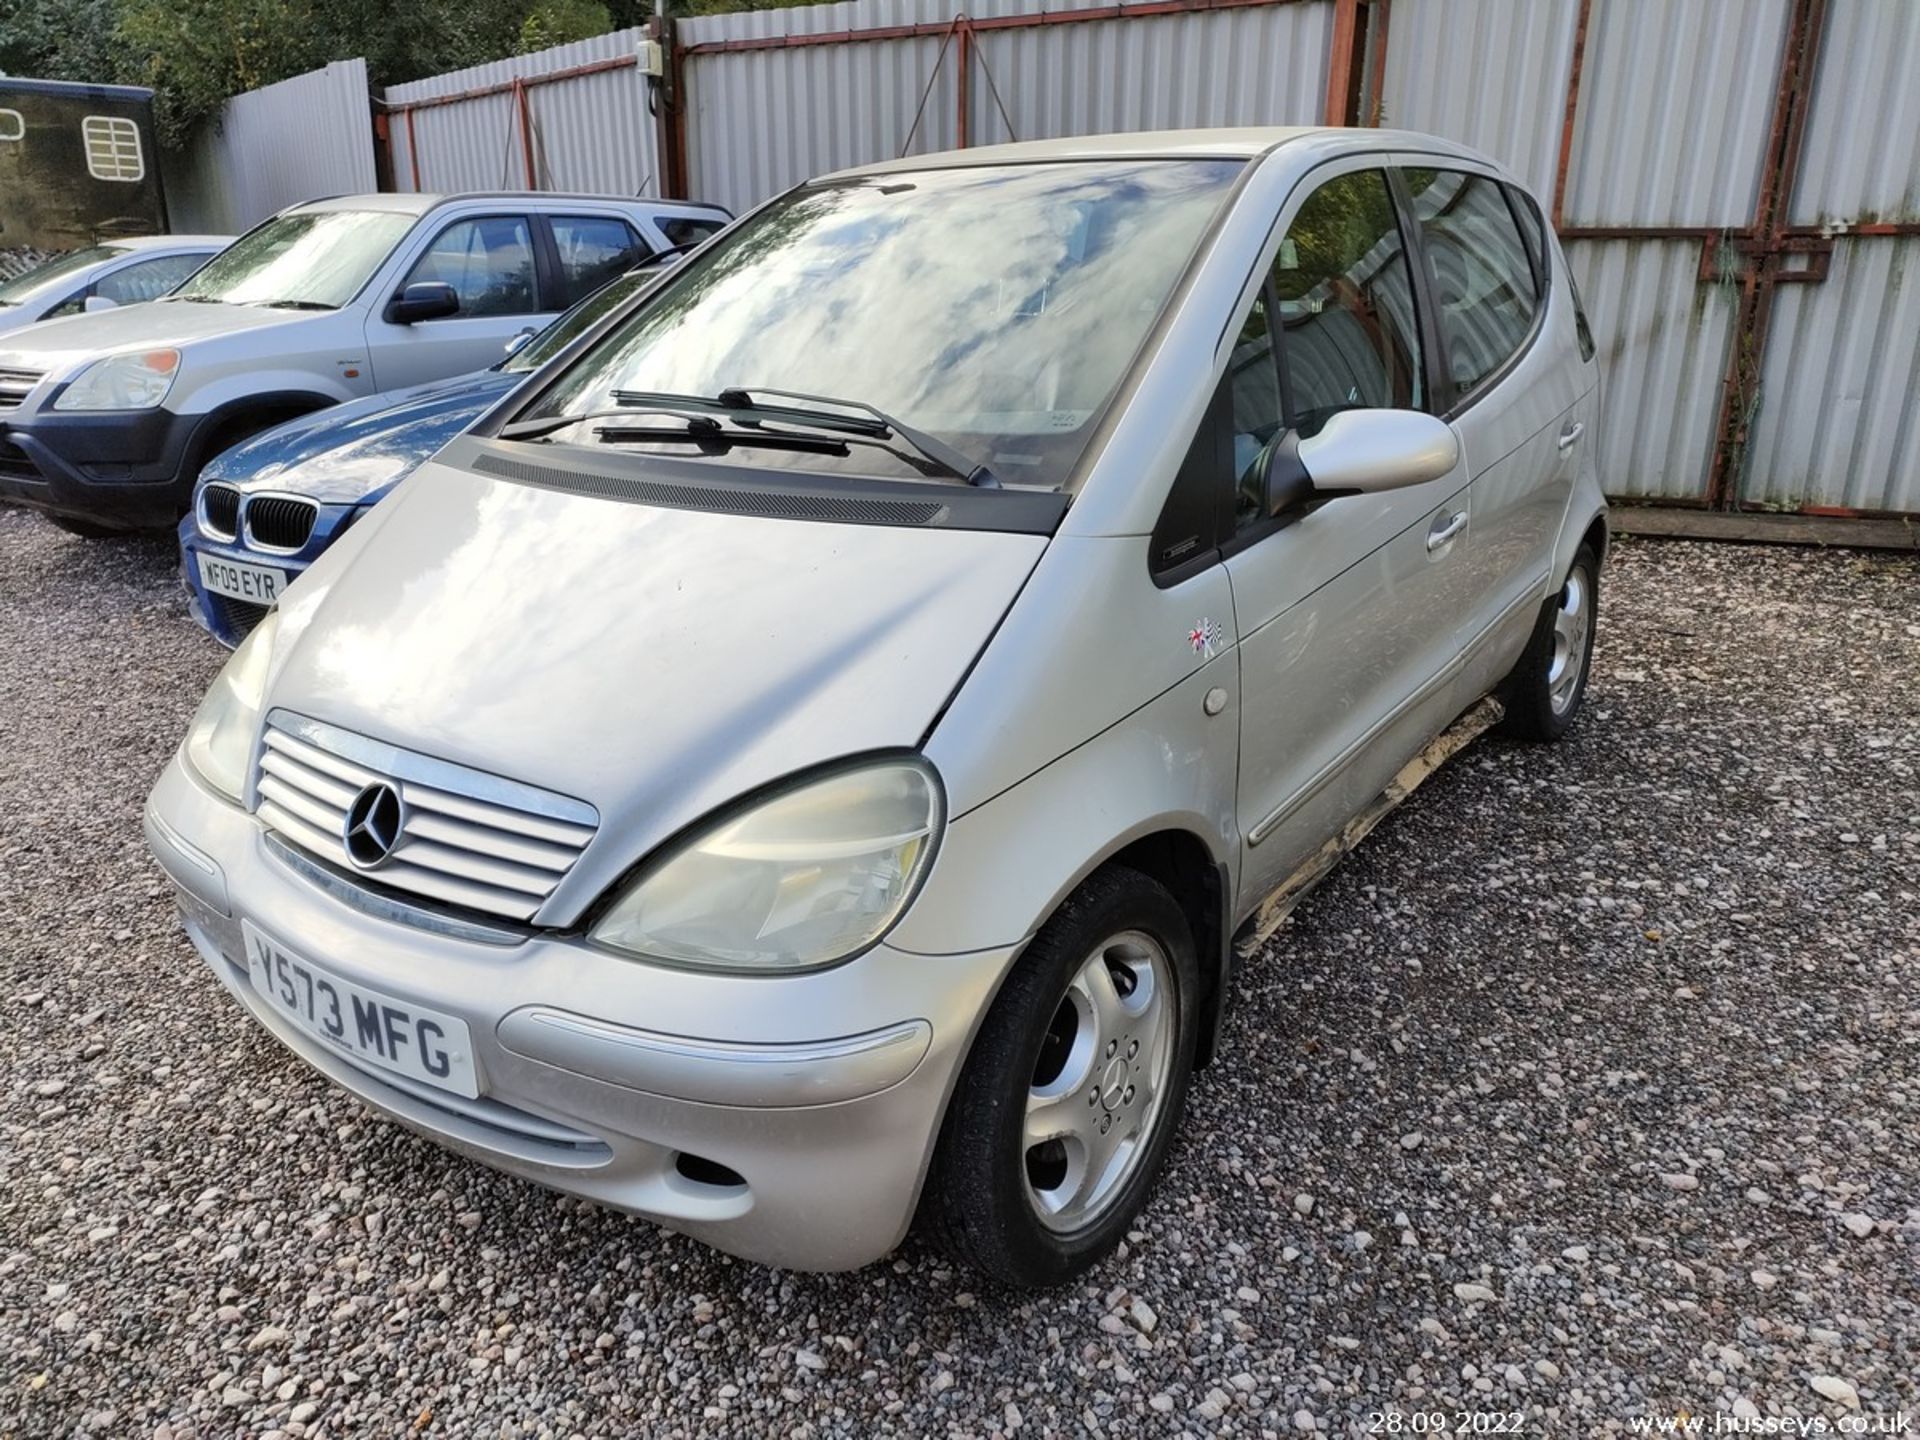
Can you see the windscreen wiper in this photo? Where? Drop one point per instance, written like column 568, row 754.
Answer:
column 738, row 404
column 297, row 305
column 701, row 430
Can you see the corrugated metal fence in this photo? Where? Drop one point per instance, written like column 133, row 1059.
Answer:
column 773, row 96
column 574, row 117
column 273, row 147
column 1738, row 181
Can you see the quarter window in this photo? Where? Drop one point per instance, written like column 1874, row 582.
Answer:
column 113, row 148
column 593, row 249
column 488, row 262
column 1483, row 280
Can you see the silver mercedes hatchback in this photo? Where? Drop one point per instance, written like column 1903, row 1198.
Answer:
column 810, row 758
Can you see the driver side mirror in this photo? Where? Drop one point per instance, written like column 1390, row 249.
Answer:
column 1358, row 452
column 94, row 304
column 423, row 300
column 519, row 342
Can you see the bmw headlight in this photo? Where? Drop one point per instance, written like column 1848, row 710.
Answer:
column 220, row 740
column 122, row 382
column 811, row 875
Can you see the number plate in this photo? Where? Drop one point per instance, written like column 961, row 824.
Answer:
column 373, row 1028
column 255, row 583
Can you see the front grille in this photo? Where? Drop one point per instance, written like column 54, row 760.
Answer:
column 467, row 839
column 14, row 464
column 220, row 511
column 280, row 521
column 15, row 385
column 236, row 617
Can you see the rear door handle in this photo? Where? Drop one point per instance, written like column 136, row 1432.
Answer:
column 1444, row 529
column 1570, row 436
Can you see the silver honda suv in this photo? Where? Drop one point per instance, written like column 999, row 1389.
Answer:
column 806, row 761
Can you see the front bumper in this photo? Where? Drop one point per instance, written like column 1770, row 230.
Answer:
column 823, row 1093
column 127, row 469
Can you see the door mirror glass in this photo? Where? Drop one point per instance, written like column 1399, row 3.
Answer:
column 1362, row 452
column 96, row 303
column 423, row 300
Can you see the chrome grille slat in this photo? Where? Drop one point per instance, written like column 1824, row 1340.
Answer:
column 317, row 813
column 466, row 865
column 534, row 827
column 314, row 758
column 499, row 850
column 310, row 781
column 449, row 831
column 454, row 891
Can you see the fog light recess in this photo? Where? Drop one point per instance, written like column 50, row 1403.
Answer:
column 702, row 1171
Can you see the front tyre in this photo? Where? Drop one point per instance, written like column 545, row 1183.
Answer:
column 1063, row 1114
column 1546, row 689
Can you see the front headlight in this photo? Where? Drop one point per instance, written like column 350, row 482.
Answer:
column 812, row 875
column 220, row 740
column 122, row 382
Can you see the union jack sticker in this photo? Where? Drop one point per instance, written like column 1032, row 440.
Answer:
column 1204, row 638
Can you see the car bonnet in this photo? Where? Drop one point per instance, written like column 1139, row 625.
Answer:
column 656, row 663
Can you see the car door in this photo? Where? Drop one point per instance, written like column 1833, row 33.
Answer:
column 1349, row 615
column 1514, row 381
column 490, row 261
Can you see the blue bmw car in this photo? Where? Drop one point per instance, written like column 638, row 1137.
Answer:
column 266, row 510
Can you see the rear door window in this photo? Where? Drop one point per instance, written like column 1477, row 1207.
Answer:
column 592, row 250
column 1482, row 275
column 488, row 262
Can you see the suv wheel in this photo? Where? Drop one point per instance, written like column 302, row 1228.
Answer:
column 1064, row 1111
column 1548, row 686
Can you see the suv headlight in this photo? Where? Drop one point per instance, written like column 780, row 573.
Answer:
column 220, row 740
column 808, row 876
column 122, row 382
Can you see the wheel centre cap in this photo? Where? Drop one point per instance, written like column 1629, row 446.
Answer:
column 1113, row 1083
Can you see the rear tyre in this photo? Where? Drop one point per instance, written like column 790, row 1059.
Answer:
column 85, row 529
column 1064, row 1111
column 1546, row 689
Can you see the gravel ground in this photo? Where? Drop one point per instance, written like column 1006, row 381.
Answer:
column 1588, row 1090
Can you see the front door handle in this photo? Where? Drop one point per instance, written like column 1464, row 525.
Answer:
column 1445, row 528
column 1570, row 436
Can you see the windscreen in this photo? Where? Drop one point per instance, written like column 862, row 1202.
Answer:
column 13, row 291
column 311, row 259
column 996, row 308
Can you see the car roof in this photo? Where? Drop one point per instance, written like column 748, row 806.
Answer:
column 1231, row 143
column 169, row 242
column 413, row 203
